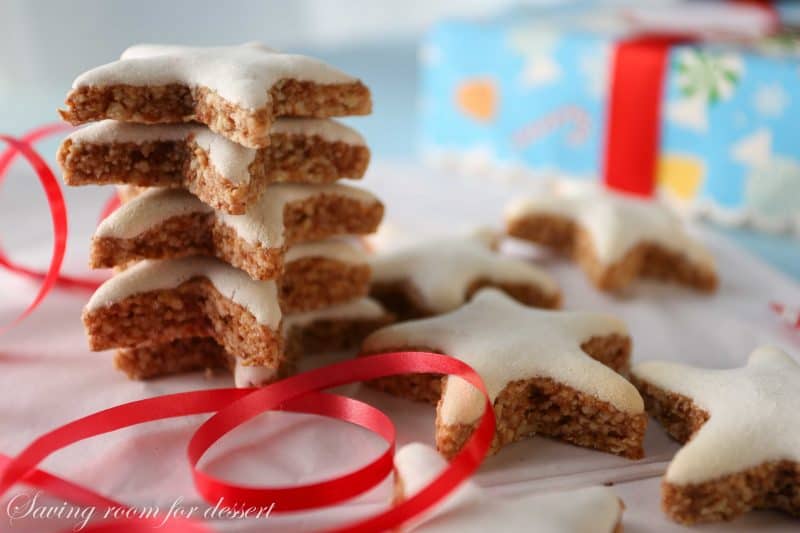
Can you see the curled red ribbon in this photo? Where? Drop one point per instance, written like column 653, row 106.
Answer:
column 58, row 214
column 52, row 276
column 233, row 407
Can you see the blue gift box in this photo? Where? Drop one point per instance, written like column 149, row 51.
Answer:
column 529, row 91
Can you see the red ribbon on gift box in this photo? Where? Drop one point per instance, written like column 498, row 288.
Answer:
column 633, row 127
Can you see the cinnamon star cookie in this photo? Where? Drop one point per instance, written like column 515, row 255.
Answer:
column 438, row 276
column 338, row 327
column 615, row 238
column 237, row 91
column 552, row 373
column 223, row 174
column 742, row 432
column 170, row 223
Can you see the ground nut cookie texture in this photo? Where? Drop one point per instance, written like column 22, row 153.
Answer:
column 742, row 432
column 439, row 276
column 237, row 91
column 545, row 372
column 223, row 174
column 614, row 238
column 334, row 328
column 470, row 508
column 321, row 274
column 158, row 301
column 171, row 223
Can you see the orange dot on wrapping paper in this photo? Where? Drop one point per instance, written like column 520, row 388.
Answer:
column 477, row 98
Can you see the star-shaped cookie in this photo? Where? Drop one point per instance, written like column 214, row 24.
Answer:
column 615, row 238
column 159, row 301
column 742, row 432
column 170, row 223
column 471, row 509
column 438, row 276
column 550, row 373
column 338, row 327
column 223, row 174
column 237, row 91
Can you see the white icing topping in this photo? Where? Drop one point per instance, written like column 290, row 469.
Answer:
column 442, row 271
column 245, row 376
column 616, row 222
column 260, row 298
column 327, row 129
column 470, row 509
column 338, row 249
column 359, row 309
column 505, row 341
column 113, row 131
column 262, row 223
column 241, row 74
column 151, row 208
column 754, row 415
column 231, row 160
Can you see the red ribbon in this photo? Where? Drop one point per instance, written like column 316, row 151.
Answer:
column 52, row 276
column 633, row 126
column 768, row 6
column 59, row 218
column 233, row 407
column 634, row 112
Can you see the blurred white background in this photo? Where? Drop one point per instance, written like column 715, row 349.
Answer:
column 45, row 44
column 50, row 40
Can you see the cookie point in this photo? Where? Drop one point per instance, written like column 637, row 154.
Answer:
column 647, row 368
column 768, row 353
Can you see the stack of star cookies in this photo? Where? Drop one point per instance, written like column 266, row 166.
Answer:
column 234, row 245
